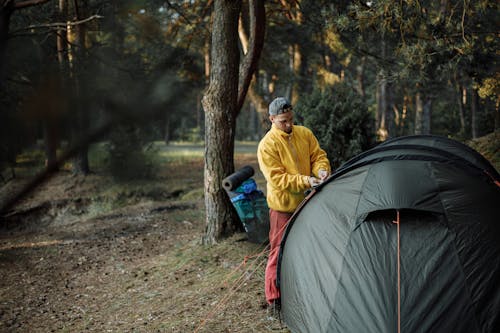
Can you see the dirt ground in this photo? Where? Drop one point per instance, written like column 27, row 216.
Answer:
column 83, row 254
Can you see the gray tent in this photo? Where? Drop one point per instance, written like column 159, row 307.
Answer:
column 345, row 266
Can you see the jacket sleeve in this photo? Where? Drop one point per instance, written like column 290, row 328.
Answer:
column 318, row 157
column 275, row 172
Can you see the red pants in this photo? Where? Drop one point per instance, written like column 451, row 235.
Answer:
column 278, row 222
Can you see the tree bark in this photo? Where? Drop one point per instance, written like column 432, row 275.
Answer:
column 460, row 91
column 220, row 103
column 51, row 136
column 419, row 111
column 296, row 67
column 381, row 105
column 6, row 10
column 254, row 47
column 474, row 109
column 427, row 115
column 423, row 113
column 81, row 117
column 360, row 77
column 62, row 45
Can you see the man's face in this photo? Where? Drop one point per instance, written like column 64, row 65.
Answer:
column 283, row 121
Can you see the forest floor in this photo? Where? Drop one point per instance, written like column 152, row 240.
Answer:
column 85, row 254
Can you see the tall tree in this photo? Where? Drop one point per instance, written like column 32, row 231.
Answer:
column 221, row 103
column 76, row 54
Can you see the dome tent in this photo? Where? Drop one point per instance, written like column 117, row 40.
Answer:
column 345, row 266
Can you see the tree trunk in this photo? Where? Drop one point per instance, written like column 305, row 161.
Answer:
column 460, row 98
column 427, row 116
column 360, row 77
column 391, row 111
column 382, row 98
column 474, row 109
column 419, row 112
column 497, row 115
column 51, row 136
column 381, row 106
column 6, row 10
column 61, row 40
column 296, row 66
column 81, row 117
column 404, row 114
column 252, row 47
column 423, row 113
column 220, row 102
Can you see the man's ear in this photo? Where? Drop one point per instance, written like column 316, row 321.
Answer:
column 271, row 118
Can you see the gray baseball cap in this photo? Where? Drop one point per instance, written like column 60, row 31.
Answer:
column 279, row 105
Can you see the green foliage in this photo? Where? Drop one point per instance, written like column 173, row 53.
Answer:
column 187, row 134
column 489, row 147
column 340, row 120
column 128, row 158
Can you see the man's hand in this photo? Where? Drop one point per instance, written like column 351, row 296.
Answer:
column 323, row 175
column 313, row 181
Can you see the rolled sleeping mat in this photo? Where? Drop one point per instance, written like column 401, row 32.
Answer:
column 235, row 179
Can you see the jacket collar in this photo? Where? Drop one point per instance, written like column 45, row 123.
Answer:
column 281, row 133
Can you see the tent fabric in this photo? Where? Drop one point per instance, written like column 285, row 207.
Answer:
column 337, row 268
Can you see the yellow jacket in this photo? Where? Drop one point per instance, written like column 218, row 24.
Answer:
column 287, row 161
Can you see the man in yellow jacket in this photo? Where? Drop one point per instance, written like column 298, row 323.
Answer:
column 292, row 162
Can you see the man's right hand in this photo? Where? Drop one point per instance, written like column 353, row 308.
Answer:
column 323, row 174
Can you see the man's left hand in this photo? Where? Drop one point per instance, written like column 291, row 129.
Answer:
column 323, row 174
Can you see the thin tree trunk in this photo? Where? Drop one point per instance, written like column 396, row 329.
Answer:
column 382, row 99
column 460, row 97
column 296, row 66
column 381, row 106
column 391, row 111
column 419, row 111
column 474, row 109
column 81, row 117
column 51, row 136
column 257, row 100
column 497, row 114
column 220, row 102
column 252, row 47
column 427, row 116
column 360, row 77
column 6, row 10
column 61, row 36
column 404, row 114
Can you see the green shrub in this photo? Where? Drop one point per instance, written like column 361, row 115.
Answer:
column 129, row 158
column 340, row 120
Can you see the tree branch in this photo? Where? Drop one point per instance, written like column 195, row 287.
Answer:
column 29, row 3
column 58, row 24
column 181, row 14
column 257, row 14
